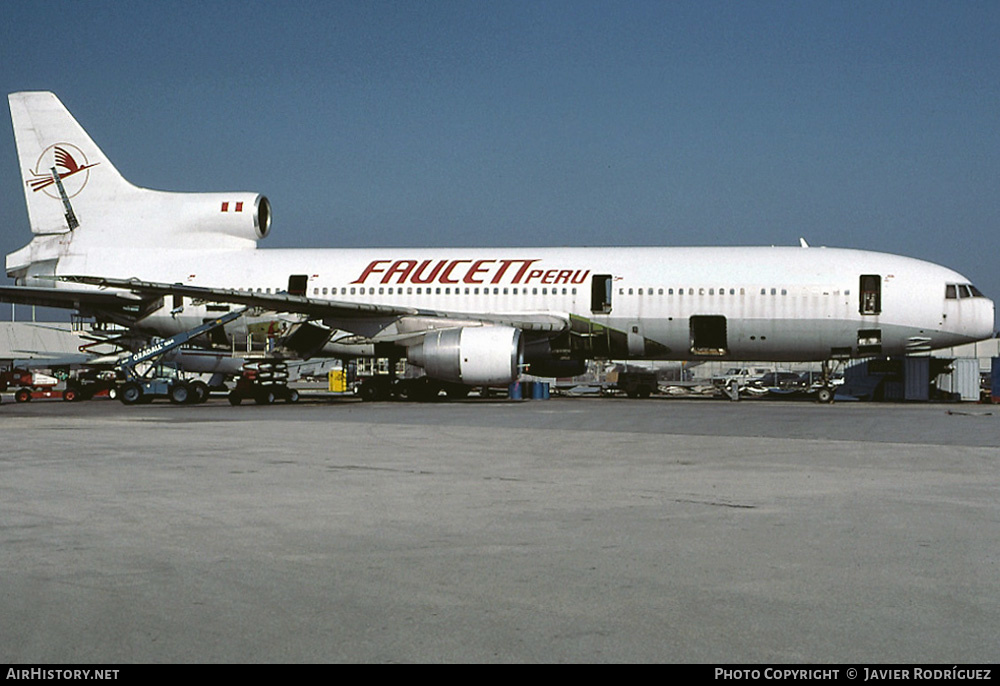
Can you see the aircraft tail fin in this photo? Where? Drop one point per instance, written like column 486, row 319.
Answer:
column 71, row 187
column 50, row 144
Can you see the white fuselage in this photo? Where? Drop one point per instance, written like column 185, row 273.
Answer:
column 777, row 303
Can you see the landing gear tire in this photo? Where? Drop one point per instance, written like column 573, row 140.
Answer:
column 368, row 392
column 824, row 395
column 375, row 389
column 402, row 389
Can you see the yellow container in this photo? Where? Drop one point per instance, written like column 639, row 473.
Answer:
column 337, row 381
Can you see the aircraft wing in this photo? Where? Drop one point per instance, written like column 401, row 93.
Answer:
column 273, row 302
column 66, row 298
column 344, row 313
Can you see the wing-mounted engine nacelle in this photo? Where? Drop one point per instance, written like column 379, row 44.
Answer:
column 471, row 355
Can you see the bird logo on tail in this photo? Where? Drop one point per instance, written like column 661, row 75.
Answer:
column 63, row 157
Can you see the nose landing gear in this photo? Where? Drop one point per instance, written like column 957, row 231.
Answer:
column 825, row 393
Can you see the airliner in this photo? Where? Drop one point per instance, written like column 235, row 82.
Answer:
column 163, row 262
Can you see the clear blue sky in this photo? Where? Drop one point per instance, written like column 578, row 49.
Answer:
column 867, row 124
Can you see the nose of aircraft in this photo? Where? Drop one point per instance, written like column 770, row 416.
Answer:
column 985, row 319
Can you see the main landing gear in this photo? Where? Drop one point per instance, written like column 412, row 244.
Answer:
column 422, row 389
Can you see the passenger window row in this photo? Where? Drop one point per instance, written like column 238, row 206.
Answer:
column 438, row 290
column 712, row 291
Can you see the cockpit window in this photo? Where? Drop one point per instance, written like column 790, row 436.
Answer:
column 953, row 291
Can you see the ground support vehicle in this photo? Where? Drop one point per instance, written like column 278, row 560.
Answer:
column 383, row 378
column 33, row 385
column 158, row 382
column 91, row 383
column 162, row 383
column 15, row 377
column 27, row 394
column 636, row 384
column 264, row 382
column 633, row 382
column 418, row 388
column 744, row 376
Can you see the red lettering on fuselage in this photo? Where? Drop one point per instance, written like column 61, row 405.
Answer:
column 447, row 272
column 369, row 270
column 402, row 268
column 419, row 278
column 477, row 272
column 477, row 267
column 524, row 268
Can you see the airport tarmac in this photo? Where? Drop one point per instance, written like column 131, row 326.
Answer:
column 568, row 530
